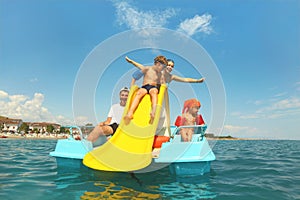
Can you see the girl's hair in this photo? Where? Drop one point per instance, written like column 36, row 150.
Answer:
column 170, row 60
column 190, row 103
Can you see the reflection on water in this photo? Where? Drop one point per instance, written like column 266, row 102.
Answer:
column 92, row 184
column 154, row 190
column 113, row 191
column 243, row 170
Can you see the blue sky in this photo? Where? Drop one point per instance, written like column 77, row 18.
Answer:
column 255, row 46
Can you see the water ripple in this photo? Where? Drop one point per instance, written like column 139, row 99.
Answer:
column 243, row 170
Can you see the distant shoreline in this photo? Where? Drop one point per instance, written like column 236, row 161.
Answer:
column 65, row 137
column 43, row 137
column 233, row 138
column 33, row 137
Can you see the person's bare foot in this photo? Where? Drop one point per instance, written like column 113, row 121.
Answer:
column 127, row 119
column 155, row 152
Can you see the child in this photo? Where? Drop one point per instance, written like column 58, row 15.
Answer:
column 167, row 77
column 189, row 117
column 151, row 83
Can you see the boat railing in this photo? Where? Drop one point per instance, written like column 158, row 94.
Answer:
column 198, row 129
column 72, row 132
column 81, row 133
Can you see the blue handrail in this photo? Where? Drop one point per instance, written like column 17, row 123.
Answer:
column 199, row 129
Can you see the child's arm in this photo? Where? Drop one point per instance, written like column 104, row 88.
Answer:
column 187, row 80
column 200, row 120
column 138, row 65
column 178, row 121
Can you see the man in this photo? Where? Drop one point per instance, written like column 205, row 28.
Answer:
column 110, row 125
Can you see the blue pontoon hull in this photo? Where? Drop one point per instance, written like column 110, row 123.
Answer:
column 187, row 158
column 183, row 158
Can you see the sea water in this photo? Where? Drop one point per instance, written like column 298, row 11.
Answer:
column 252, row 169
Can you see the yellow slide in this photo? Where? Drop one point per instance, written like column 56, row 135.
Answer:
column 130, row 148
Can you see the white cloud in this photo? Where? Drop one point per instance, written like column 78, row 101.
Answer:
column 18, row 98
column 136, row 19
column 234, row 129
column 258, row 102
column 82, row 120
column 3, row 94
column 281, row 108
column 63, row 120
column 298, row 86
column 235, row 114
column 251, row 116
column 239, row 130
column 196, row 24
column 27, row 109
column 280, row 94
column 33, row 80
column 147, row 23
column 290, row 103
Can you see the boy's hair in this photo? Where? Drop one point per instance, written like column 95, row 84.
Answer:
column 161, row 59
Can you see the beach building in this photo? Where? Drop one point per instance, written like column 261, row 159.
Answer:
column 41, row 127
column 10, row 125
